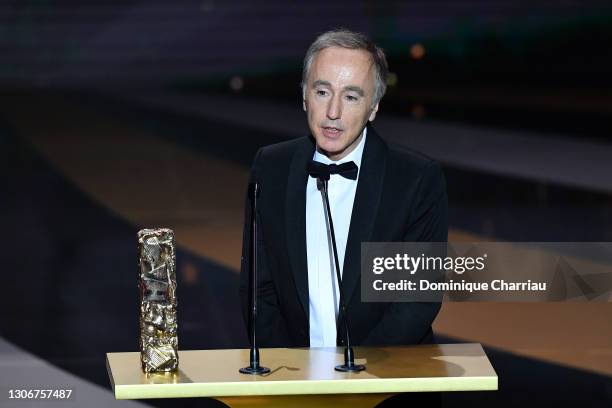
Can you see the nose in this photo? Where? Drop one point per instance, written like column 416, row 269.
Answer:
column 334, row 108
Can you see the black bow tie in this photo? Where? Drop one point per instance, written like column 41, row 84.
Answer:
column 322, row 171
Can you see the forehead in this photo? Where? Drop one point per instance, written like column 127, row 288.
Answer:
column 335, row 64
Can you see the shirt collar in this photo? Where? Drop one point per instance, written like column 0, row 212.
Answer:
column 354, row 156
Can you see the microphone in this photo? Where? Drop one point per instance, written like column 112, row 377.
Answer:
column 349, row 356
column 254, row 367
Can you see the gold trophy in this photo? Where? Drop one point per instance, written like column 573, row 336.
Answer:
column 157, row 287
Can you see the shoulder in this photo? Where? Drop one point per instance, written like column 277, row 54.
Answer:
column 409, row 167
column 283, row 151
column 403, row 163
column 418, row 175
column 410, row 162
column 275, row 160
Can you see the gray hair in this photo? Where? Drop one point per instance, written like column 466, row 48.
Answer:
column 355, row 41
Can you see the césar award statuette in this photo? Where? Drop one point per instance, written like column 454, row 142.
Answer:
column 157, row 287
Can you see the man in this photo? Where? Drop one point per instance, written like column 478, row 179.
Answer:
column 395, row 195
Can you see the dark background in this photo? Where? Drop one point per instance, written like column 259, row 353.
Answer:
column 119, row 115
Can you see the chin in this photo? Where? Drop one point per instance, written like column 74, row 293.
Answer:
column 331, row 148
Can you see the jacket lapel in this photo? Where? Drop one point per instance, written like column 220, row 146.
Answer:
column 365, row 209
column 296, row 219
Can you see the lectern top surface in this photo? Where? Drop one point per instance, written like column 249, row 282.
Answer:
column 443, row 367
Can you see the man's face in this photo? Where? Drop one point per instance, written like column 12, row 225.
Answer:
column 338, row 99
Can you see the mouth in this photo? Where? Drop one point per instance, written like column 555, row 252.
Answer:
column 331, row 132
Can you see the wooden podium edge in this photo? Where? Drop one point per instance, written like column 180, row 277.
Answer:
column 309, row 387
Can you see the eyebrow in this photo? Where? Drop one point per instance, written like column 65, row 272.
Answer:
column 350, row 88
column 320, row 82
column 355, row 89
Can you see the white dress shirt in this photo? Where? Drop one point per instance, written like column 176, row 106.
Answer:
column 323, row 291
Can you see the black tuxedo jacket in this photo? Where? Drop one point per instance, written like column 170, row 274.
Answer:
column 401, row 196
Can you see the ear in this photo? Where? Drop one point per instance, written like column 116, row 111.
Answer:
column 373, row 114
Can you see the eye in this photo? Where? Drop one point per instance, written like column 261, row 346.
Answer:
column 352, row 98
column 321, row 92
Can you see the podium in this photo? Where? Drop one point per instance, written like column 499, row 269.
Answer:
column 306, row 376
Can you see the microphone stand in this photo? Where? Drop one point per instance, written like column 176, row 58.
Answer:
column 349, row 357
column 254, row 367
